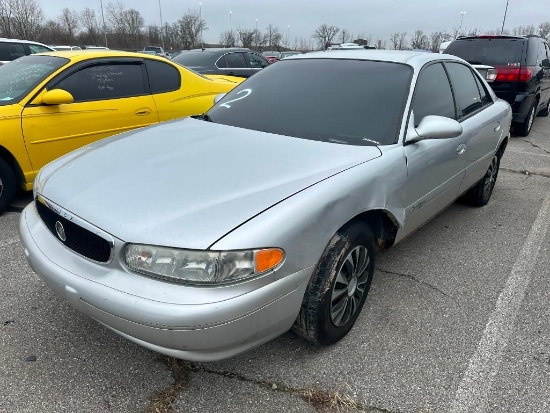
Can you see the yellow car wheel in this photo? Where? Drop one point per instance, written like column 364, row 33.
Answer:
column 7, row 186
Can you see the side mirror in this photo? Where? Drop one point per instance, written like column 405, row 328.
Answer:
column 435, row 127
column 219, row 97
column 57, row 97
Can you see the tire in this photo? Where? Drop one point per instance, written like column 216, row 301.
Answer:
column 7, row 186
column 339, row 286
column 480, row 194
column 524, row 128
column 546, row 111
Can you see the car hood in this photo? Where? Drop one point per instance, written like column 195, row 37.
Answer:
column 187, row 183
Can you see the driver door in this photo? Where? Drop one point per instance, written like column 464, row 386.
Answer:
column 109, row 97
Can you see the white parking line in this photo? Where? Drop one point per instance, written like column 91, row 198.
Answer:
column 473, row 393
column 9, row 241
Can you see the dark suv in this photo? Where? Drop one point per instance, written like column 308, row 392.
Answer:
column 523, row 72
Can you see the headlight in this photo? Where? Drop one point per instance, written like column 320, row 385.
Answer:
column 200, row 267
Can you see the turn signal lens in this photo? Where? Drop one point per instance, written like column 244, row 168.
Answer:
column 268, row 259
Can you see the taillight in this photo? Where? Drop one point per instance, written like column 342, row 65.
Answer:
column 514, row 74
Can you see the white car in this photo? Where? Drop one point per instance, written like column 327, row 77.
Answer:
column 11, row 49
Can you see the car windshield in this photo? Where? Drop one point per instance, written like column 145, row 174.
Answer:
column 345, row 101
column 192, row 59
column 19, row 77
column 488, row 51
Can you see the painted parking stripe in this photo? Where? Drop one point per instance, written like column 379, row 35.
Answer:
column 473, row 393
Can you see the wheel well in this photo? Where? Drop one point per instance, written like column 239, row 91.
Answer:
column 383, row 226
column 502, row 147
column 10, row 160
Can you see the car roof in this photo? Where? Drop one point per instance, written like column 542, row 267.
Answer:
column 6, row 40
column 97, row 53
column 220, row 49
column 396, row 56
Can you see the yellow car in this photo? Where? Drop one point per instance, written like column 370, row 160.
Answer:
column 52, row 103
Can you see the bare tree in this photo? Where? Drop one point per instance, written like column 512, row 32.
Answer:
column 324, row 34
column 25, row 18
column 190, row 26
column 436, row 38
column 88, row 20
column 115, row 18
column 345, row 36
column 246, row 36
column 227, row 39
column 524, row 30
column 476, row 31
column 68, row 21
column 272, row 37
column 133, row 22
column 398, row 40
column 544, row 30
column 5, row 19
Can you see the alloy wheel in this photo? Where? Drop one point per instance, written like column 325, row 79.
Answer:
column 350, row 285
column 490, row 178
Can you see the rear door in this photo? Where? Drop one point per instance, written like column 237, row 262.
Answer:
column 110, row 96
column 235, row 65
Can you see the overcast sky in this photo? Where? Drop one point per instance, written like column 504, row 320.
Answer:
column 300, row 18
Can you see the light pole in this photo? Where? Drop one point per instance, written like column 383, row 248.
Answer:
column 230, row 29
column 200, row 22
column 104, row 27
column 462, row 13
column 504, row 19
column 161, row 27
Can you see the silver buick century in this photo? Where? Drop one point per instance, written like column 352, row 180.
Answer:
column 204, row 237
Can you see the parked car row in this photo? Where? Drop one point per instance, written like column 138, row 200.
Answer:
column 204, row 237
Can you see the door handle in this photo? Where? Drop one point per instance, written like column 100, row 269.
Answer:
column 461, row 148
column 497, row 128
column 142, row 112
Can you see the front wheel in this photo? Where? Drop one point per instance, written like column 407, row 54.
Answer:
column 480, row 194
column 7, row 186
column 339, row 286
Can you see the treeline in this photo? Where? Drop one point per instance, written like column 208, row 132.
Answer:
column 121, row 27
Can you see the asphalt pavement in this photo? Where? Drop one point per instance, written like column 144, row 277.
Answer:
column 457, row 320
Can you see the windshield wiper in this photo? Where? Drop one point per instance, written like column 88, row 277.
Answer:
column 204, row 116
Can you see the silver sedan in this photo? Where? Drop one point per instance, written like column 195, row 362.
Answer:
column 204, row 237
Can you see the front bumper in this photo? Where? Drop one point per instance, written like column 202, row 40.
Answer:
column 188, row 322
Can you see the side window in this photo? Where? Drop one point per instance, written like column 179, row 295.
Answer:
column 485, row 96
column 220, row 63
column 235, row 61
column 468, row 99
column 36, row 48
column 256, row 61
column 104, row 81
column 11, row 51
column 433, row 95
column 163, row 77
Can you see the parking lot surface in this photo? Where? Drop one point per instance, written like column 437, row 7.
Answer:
column 457, row 320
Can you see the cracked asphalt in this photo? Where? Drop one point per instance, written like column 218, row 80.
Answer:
column 419, row 345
